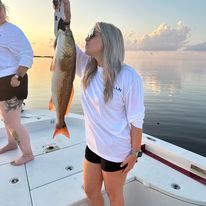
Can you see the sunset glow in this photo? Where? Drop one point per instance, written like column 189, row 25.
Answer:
column 147, row 26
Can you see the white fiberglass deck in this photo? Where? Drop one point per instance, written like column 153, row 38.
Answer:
column 54, row 178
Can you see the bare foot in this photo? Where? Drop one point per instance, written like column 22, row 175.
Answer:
column 7, row 148
column 22, row 160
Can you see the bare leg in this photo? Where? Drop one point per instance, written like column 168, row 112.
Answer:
column 7, row 148
column 11, row 141
column 114, row 182
column 93, row 183
column 11, row 115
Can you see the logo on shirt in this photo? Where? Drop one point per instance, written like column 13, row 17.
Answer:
column 118, row 89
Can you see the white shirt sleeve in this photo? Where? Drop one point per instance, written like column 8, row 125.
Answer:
column 21, row 48
column 81, row 61
column 134, row 103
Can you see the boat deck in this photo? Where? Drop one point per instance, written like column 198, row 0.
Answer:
column 54, row 178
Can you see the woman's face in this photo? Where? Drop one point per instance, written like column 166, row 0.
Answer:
column 94, row 44
column 2, row 15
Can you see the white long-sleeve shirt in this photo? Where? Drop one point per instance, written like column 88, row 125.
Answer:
column 15, row 49
column 108, row 124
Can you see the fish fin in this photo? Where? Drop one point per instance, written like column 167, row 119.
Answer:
column 64, row 131
column 55, row 43
column 52, row 66
column 70, row 101
column 51, row 105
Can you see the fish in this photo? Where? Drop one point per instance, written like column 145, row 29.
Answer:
column 63, row 67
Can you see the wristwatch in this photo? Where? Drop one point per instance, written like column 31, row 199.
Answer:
column 137, row 153
column 19, row 78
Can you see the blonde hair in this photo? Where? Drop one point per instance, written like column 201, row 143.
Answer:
column 2, row 5
column 113, row 57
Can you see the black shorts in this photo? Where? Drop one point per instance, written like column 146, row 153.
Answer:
column 106, row 165
column 8, row 92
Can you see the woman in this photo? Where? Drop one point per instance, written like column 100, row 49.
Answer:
column 113, row 105
column 16, row 57
column 112, row 100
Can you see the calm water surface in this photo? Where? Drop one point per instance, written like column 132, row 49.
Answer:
column 175, row 96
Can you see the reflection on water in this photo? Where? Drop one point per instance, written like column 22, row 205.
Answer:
column 175, row 100
column 174, row 97
column 40, row 87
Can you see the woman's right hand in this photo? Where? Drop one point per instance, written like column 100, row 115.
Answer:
column 67, row 11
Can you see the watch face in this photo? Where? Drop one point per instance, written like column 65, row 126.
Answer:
column 139, row 154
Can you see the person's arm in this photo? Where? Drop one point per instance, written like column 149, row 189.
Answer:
column 134, row 104
column 20, row 47
column 62, row 15
column 67, row 11
column 81, row 61
column 136, row 138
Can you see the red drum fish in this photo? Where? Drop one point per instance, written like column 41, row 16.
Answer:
column 63, row 67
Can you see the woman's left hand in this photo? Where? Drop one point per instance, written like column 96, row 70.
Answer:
column 14, row 82
column 130, row 162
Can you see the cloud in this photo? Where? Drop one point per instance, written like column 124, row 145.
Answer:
column 163, row 38
column 197, row 47
column 131, row 42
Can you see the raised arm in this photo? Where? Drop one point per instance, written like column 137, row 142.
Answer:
column 62, row 15
column 67, row 11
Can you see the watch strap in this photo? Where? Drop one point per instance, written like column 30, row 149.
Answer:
column 137, row 153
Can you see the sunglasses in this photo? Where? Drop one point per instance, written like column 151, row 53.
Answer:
column 92, row 34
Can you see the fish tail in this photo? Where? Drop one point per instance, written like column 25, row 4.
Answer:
column 64, row 131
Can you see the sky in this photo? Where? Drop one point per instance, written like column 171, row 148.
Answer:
column 147, row 25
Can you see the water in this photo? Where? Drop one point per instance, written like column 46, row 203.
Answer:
column 175, row 95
